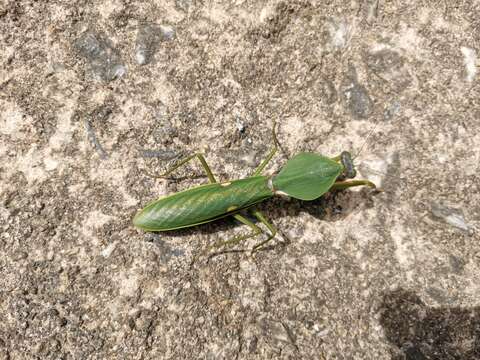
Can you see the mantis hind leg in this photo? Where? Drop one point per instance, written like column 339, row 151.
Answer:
column 255, row 232
column 270, row 155
column 202, row 160
column 237, row 239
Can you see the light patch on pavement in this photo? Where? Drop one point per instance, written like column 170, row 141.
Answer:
column 470, row 61
column 108, row 250
column 93, row 221
column 12, row 120
column 64, row 132
column 403, row 251
column 340, row 33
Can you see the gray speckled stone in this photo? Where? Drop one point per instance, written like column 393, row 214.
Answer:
column 103, row 58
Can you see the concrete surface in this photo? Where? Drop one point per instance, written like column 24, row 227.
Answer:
column 95, row 93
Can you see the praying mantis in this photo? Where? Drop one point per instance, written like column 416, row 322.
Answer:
column 306, row 176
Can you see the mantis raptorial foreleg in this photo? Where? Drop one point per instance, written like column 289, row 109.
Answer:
column 340, row 185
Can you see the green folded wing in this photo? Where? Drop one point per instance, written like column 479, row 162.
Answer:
column 202, row 204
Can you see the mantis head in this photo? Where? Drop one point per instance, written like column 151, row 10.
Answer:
column 349, row 171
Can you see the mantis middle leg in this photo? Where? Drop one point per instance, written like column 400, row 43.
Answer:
column 270, row 155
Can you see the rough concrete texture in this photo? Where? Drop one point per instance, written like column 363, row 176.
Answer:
column 94, row 94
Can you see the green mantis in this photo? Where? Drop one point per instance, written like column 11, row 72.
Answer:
column 306, row 176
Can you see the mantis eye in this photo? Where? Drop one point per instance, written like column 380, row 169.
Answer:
column 347, row 162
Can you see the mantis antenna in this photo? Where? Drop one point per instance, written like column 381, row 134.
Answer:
column 365, row 142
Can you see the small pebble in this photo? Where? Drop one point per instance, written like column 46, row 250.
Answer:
column 451, row 216
column 148, row 38
column 103, row 58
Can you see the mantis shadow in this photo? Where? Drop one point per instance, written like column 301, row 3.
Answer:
column 331, row 207
column 419, row 332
